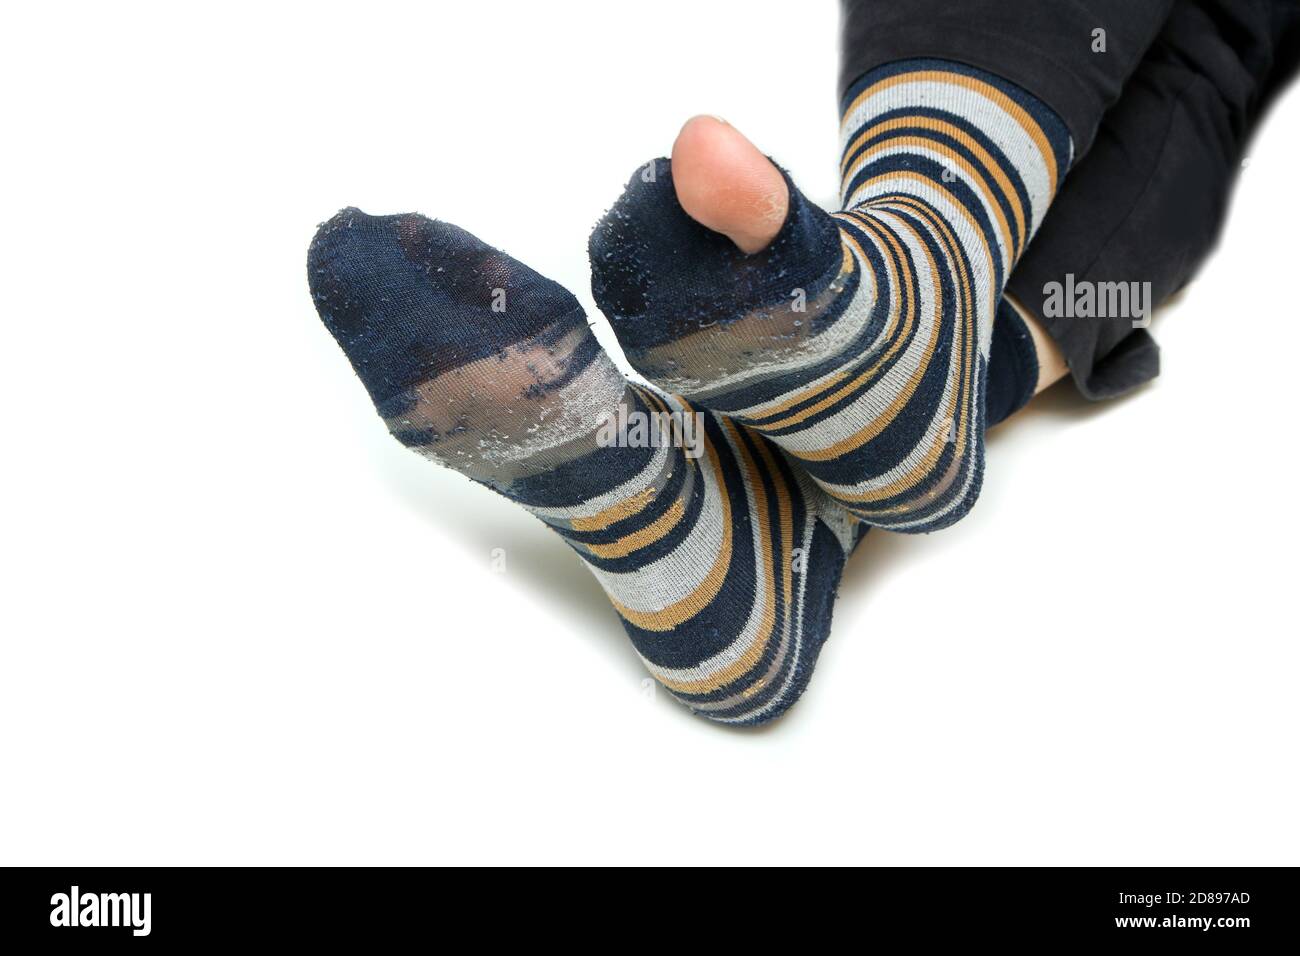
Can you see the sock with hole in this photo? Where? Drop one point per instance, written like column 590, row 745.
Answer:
column 720, row 558
column 858, row 342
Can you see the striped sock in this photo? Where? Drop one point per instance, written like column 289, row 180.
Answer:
column 721, row 559
column 857, row 342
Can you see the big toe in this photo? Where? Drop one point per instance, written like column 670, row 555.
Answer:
column 725, row 183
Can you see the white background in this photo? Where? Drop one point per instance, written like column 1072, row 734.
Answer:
column 242, row 625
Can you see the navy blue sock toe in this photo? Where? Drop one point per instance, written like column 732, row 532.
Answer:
column 409, row 298
column 659, row 275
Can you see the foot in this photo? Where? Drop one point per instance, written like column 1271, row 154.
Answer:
column 858, row 342
column 713, row 551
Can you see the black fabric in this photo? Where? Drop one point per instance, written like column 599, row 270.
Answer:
column 1046, row 46
column 1147, row 202
column 1146, row 197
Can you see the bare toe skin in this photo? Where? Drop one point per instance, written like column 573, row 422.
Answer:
column 725, row 183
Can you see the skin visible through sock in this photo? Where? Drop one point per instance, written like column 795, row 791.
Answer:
column 720, row 558
column 724, row 182
column 857, row 343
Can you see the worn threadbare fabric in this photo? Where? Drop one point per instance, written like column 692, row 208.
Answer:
column 720, row 558
column 859, row 342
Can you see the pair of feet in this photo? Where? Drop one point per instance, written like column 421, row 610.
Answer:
column 815, row 374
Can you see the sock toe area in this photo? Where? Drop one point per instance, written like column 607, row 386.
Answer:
column 408, row 297
column 658, row 274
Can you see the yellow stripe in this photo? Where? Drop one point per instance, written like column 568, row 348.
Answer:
column 785, row 516
column 617, row 512
column 642, row 538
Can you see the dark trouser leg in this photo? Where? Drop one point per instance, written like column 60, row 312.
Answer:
column 1147, row 202
column 1050, row 49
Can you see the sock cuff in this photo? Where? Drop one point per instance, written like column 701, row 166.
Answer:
column 1013, row 366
